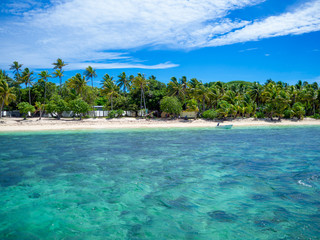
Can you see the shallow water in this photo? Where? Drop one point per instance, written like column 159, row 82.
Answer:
column 258, row 183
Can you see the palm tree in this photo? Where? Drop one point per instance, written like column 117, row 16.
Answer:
column 255, row 91
column 78, row 83
column 58, row 65
column 16, row 67
column 6, row 94
column 58, row 73
column 27, row 78
column 91, row 73
column 44, row 75
column 201, row 94
column 140, row 83
column 123, row 82
column 176, row 89
column 109, row 88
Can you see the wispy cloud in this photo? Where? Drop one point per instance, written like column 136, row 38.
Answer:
column 75, row 66
column 104, row 32
column 78, row 30
column 248, row 49
column 304, row 19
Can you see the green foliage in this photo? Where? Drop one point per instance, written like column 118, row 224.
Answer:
column 112, row 114
column 259, row 115
column 210, row 114
column 115, row 113
column 232, row 99
column 192, row 105
column 170, row 105
column 298, row 110
column 120, row 113
column 56, row 106
column 25, row 108
column 79, row 107
column 288, row 113
column 315, row 116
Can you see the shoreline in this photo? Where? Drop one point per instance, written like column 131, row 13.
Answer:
column 33, row 124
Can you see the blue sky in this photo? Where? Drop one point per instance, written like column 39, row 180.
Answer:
column 211, row 40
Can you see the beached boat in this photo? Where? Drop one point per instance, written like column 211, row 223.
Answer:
column 224, row 126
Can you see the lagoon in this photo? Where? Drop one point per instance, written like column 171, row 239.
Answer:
column 244, row 183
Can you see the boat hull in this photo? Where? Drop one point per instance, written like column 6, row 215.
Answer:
column 224, row 126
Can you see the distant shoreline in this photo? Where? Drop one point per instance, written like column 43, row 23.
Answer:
column 33, row 124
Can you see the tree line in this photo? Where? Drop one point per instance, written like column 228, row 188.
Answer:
column 30, row 92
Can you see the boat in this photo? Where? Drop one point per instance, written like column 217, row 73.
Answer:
column 224, row 126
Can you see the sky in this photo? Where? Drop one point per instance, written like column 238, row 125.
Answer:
column 211, row 40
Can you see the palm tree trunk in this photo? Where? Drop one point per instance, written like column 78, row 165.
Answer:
column 141, row 100
column 45, row 92
column 29, row 94
column 203, row 104
column 41, row 111
column 144, row 102
column 19, row 94
column 2, row 104
column 94, row 112
column 60, row 85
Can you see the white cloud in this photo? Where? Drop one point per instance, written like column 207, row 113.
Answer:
column 304, row 19
column 75, row 66
column 82, row 30
column 248, row 49
column 104, row 32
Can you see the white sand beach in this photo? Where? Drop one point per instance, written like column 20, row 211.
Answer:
column 34, row 124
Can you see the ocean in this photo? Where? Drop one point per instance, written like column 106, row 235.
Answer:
column 205, row 183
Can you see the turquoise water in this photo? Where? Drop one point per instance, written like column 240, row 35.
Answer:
column 258, row 183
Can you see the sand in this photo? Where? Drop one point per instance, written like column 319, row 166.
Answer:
column 34, row 124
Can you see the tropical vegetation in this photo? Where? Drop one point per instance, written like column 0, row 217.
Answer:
column 236, row 99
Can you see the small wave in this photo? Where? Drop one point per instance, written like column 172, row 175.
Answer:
column 304, row 184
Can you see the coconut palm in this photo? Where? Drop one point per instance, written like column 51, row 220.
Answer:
column 140, row 83
column 16, row 68
column 202, row 94
column 110, row 89
column 44, row 75
column 27, row 78
column 124, row 82
column 255, row 91
column 6, row 94
column 178, row 88
column 58, row 65
column 78, row 83
column 91, row 73
column 58, row 73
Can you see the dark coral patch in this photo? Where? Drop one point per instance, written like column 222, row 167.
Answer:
column 222, row 216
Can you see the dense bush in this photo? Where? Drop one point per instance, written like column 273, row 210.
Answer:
column 259, row 115
column 25, row 108
column 288, row 113
column 210, row 114
column 192, row 105
column 57, row 106
column 315, row 116
column 79, row 107
column 298, row 110
column 115, row 113
column 170, row 105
